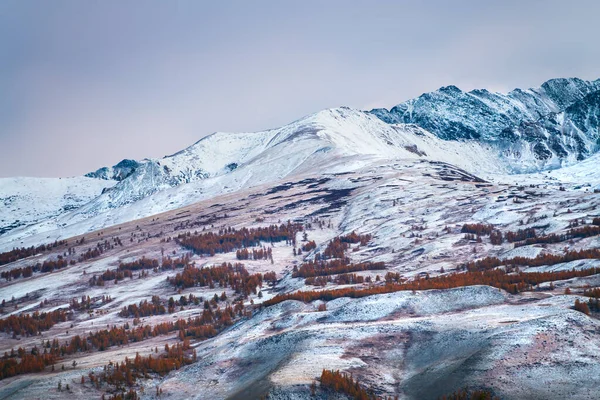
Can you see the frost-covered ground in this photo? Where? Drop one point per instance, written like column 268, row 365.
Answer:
column 415, row 345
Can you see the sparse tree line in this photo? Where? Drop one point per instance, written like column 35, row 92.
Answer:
column 339, row 244
column 308, row 246
column 574, row 233
column 212, row 320
column 514, row 282
column 255, row 254
column 61, row 261
column 20, row 362
column 584, row 307
column 141, row 263
column 125, row 270
column 333, row 261
column 24, row 252
column 127, row 372
column 333, row 267
column 234, row 276
column 32, row 324
column 230, row 239
column 340, row 382
column 542, row 259
column 528, row 236
column 158, row 306
column 593, row 304
column 341, row 279
column 477, row 229
column 119, row 378
column 46, row 266
column 87, row 303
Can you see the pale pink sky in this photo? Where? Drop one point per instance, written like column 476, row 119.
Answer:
column 85, row 84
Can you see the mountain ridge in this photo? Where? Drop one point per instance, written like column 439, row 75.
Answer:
column 550, row 123
column 565, row 132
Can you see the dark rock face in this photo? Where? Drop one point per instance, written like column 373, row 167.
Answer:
column 118, row 172
column 556, row 122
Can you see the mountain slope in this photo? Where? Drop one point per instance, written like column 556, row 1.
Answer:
column 336, row 140
column 29, row 200
column 231, row 161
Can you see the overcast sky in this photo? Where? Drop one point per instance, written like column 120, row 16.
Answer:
column 85, row 84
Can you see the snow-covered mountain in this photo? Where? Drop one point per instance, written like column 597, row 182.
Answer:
column 335, row 140
column 229, row 161
column 534, row 129
column 481, row 132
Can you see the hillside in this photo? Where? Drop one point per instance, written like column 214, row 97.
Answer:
column 333, row 140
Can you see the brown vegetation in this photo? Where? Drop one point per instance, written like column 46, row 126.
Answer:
column 582, row 232
column 340, row 382
column 230, row 239
column 22, row 363
column 24, row 252
column 225, row 275
column 338, row 245
column 543, row 259
column 581, row 307
column 477, row 229
column 32, row 324
column 333, row 267
column 511, row 282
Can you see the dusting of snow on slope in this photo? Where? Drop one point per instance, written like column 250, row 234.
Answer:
column 29, row 200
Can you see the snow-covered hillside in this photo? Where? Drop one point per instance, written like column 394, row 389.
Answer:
column 278, row 152
column 29, row 200
column 428, row 342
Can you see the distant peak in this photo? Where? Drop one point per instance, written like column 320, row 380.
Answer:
column 449, row 89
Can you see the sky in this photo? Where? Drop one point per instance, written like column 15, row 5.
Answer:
column 85, row 84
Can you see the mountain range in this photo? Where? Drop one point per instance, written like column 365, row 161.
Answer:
column 524, row 131
column 445, row 248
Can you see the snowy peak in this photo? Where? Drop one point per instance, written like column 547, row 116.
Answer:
column 453, row 114
column 330, row 141
column 566, row 91
column 534, row 129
